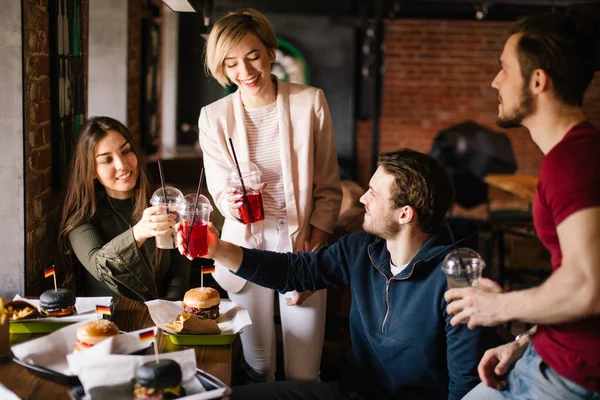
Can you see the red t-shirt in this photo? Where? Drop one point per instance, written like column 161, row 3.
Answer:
column 569, row 182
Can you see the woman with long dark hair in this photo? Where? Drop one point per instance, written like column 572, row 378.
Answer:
column 107, row 224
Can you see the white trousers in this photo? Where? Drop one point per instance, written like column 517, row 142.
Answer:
column 303, row 326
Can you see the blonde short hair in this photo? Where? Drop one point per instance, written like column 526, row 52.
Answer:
column 227, row 32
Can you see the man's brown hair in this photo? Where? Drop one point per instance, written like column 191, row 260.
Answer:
column 420, row 182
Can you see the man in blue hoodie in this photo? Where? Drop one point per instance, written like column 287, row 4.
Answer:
column 403, row 345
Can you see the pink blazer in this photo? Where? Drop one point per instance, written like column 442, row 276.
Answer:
column 308, row 159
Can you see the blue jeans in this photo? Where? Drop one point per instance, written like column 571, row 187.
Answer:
column 532, row 378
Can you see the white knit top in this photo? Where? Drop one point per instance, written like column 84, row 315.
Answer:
column 262, row 128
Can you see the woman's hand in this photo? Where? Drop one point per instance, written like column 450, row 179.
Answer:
column 235, row 201
column 154, row 222
column 317, row 239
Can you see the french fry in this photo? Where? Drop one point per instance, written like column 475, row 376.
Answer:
column 19, row 309
column 2, row 312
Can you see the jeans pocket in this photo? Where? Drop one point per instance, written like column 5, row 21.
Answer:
column 564, row 388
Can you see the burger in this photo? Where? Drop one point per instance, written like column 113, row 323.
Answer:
column 94, row 332
column 202, row 302
column 57, row 303
column 157, row 381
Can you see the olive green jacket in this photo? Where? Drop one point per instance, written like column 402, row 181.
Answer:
column 113, row 264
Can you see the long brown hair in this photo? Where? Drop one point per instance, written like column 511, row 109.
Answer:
column 83, row 189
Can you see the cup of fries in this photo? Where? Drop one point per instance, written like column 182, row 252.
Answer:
column 18, row 309
column 4, row 335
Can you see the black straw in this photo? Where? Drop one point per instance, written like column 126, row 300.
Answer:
column 187, row 245
column 462, row 265
column 245, row 198
column 162, row 184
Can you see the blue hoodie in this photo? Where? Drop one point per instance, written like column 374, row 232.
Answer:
column 403, row 345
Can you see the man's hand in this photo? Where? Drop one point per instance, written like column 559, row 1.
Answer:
column 498, row 361
column 477, row 306
column 212, row 237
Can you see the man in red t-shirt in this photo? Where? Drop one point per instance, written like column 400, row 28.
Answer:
column 546, row 66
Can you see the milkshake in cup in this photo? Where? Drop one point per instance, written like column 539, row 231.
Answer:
column 171, row 198
column 463, row 272
column 252, row 209
column 194, row 223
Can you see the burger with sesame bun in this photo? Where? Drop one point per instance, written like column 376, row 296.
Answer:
column 202, row 302
column 94, row 332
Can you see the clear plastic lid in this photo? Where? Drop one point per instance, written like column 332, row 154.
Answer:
column 187, row 206
column 250, row 172
column 168, row 195
column 469, row 260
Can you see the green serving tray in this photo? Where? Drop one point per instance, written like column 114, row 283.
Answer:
column 37, row 326
column 206, row 340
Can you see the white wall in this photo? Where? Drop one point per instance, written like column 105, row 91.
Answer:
column 12, row 234
column 107, row 73
column 170, row 55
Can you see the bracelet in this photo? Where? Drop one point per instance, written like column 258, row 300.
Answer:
column 521, row 335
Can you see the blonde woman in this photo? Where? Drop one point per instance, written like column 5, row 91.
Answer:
column 285, row 129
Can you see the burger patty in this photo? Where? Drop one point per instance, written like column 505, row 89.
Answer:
column 203, row 313
column 60, row 312
column 80, row 346
column 143, row 393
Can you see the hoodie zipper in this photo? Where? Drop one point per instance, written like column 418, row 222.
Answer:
column 387, row 289
column 387, row 303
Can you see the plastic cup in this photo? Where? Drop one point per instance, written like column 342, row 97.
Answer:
column 465, row 272
column 252, row 209
column 194, row 225
column 4, row 338
column 171, row 198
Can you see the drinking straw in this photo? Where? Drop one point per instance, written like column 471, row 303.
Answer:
column 162, row 184
column 245, row 198
column 462, row 266
column 187, row 245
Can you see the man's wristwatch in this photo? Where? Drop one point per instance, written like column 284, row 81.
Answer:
column 526, row 333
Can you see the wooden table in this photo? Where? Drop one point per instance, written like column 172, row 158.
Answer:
column 129, row 315
column 522, row 186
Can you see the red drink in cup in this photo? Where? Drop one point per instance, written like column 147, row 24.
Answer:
column 252, row 209
column 198, row 242
column 195, row 216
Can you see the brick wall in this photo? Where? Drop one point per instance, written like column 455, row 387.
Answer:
column 41, row 203
column 437, row 74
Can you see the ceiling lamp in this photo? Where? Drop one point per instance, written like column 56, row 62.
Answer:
column 181, row 5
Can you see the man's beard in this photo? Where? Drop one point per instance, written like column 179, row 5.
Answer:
column 389, row 229
column 521, row 112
